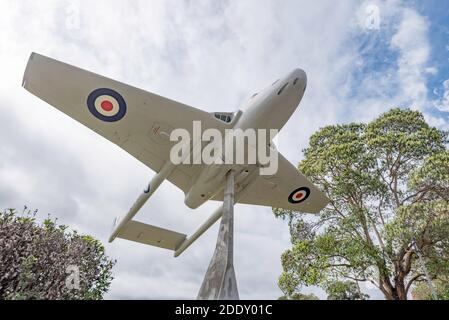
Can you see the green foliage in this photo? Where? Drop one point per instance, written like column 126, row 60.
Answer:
column 345, row 290
column 388, row 182
column 300, row 296
column 35, row 260
column 441, row 286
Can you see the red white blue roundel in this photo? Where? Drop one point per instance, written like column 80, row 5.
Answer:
column 106, row 104
column 299, row 195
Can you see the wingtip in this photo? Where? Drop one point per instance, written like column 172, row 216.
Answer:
column 114, row 230
column 24, row 79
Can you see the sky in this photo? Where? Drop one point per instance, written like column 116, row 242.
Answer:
column 361, row 59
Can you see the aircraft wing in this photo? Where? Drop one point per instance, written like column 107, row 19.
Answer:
column 138, row 121
column 288, row 189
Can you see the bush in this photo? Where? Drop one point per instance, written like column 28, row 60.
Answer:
column 48, row 261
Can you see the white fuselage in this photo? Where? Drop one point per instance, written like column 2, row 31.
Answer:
column 269, row 109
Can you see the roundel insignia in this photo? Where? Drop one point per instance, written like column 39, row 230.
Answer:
column 299, row 195
column 106, row 104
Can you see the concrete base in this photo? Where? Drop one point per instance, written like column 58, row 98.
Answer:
column 219, row 282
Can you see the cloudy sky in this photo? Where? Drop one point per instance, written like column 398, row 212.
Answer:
column 362, row 58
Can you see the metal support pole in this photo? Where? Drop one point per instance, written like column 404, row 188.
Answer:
column 203, row 228
column 214, row 217
column 219, row 282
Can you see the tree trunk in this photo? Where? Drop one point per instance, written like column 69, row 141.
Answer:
column 400, row 289
column 395, row 293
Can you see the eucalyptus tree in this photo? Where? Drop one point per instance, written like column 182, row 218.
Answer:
column 388, row 182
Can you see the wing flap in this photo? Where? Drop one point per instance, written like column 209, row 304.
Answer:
column 151, row 235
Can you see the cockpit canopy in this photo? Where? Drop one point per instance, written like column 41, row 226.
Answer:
column 224, row 116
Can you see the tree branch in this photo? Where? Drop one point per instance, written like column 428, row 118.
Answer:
column 423, row 193
column 357, row 279
column 409, row 284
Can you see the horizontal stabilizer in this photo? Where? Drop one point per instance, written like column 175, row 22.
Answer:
column 151, row 235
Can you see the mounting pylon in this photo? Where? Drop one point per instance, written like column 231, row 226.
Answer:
column 219, row 281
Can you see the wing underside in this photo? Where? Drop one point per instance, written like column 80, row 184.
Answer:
column 138, row 121
column 288, row 189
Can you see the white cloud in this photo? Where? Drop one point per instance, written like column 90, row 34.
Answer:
column 443, row 103
column 414, row 49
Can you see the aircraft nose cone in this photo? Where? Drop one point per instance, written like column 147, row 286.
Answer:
column 298, row 79
column 298, row 74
